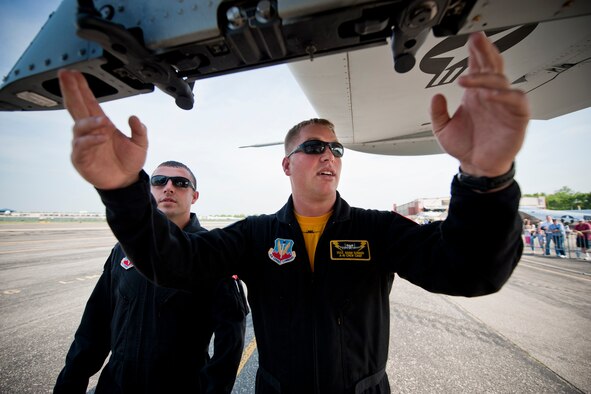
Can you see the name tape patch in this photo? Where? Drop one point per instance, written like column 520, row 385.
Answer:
column 349, row 250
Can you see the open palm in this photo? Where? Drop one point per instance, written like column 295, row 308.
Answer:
column 102, row 154
column 488, row 128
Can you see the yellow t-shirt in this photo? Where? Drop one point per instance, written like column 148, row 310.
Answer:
column 312, row 228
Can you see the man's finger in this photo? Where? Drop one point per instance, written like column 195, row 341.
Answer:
column 92, row 125
column 85, row 143
column 484, row 55
column 139, row 132
column 90, row 101
column 473, row 58
column 484, row 81
column 439, row 114
column 71, row 94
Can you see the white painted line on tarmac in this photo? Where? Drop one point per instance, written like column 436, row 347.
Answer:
column 554, row 270
column 248, row 351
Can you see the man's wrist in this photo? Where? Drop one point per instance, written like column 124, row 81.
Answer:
column 486, row 184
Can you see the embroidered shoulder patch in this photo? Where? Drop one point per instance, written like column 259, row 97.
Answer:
column 349, row 250
column 282, row 252
column 125, row 263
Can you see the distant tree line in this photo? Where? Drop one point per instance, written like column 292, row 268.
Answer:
column 565, row 198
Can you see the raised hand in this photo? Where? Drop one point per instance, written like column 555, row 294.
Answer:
column 102, row 154
column 488, row 128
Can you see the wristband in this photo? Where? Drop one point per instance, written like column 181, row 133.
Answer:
column 483, row 183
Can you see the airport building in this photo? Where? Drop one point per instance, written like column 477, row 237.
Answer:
column 533, row 202
column 423, row 210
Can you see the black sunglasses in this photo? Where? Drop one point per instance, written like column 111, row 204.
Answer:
column 316, row 147
column 177, row 181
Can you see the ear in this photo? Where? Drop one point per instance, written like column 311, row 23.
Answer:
column 286, row 166
column 195, row 197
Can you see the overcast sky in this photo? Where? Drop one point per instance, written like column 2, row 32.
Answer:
column 251, row 107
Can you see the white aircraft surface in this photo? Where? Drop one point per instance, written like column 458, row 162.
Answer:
column 369, row 65
column 565, row 216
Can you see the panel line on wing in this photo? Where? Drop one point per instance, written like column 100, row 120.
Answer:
column 350, row 98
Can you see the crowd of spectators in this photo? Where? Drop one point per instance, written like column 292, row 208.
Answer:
column 554, row 234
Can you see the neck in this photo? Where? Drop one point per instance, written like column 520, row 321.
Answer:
column 313, row 207
column 181, row 221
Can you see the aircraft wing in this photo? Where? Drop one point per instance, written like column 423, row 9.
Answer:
column 369, row 66
column 565, row 216
column 376, row 110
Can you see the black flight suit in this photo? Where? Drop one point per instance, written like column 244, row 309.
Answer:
column 158, row 337
column 327, row 331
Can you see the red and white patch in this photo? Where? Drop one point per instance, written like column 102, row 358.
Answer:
column 125, row 263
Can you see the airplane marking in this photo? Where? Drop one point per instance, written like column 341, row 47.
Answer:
column 438, row 60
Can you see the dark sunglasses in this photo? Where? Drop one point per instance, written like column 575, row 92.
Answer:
column 316, row 147
column 177, row 181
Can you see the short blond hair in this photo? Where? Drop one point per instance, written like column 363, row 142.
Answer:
column 295, row 130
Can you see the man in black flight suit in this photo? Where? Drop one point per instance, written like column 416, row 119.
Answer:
column 318, row 271
column 158, row 337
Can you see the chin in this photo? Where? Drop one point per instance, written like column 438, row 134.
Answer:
column 165, row 210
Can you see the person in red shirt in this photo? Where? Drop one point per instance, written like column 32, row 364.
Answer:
column 583, row 231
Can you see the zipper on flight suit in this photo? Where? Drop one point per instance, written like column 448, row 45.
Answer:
column 296, row 230
column 315, row 322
